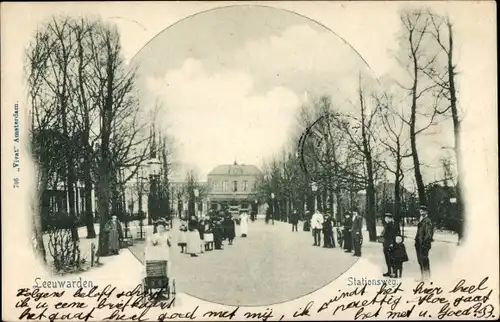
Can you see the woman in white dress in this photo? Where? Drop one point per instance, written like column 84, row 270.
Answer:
column 158, row 246
column 244, row 224
column 193, row 238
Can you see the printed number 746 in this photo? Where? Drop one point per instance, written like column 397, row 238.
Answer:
column 16, row 183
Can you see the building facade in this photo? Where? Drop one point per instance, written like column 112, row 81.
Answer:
column 233, row 187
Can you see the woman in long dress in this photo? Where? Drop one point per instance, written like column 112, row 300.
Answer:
column 244, row 224
column 193, row 238
column 114, row 231
column 158, row 246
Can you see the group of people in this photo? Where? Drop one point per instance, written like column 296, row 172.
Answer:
column 349, row 235
column 209, row 233
column 395, row 251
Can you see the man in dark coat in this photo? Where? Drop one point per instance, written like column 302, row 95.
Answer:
column 347, row 233
column 294, row 220
column 356, row 230
column 391, row 230
column 229, row 228
column 328, row 241
column 423, row 241
column 218, row 232
column 307, row 221
column 268, row 214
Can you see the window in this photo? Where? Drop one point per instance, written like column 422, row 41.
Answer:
column 245, row 185
column 214, row 186
column 235, row 186
column 224, row 186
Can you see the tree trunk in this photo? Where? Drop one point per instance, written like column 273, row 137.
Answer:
column 103, row 199
column 370, row 205
column 456, row 132
column 87, row 157
column 105, row 164
column 397, row 200
column 89, row 214
column 38, row 215
column 340, row 212
column 413, row 135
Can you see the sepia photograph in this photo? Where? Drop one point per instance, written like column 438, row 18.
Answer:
column 252, row 155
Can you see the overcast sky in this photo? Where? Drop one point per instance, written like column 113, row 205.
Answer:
column 252, row 65
column 231, row 81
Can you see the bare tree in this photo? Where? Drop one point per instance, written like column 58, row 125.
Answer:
column 420, row 56
column 442, row 32
column 192, row 183
column 123, row 143
column 395, row 141
column 49, row 62
column 360, row 128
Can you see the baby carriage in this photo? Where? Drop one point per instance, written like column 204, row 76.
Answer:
column 157, row 269
column 157, row 278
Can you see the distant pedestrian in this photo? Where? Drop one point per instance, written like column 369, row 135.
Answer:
column 209, row 235
column 182, row 241
column 218, row 232
column 398, row 255
column 294, row 220
column 391, row 230
column 423, row 242
column 307, row 221
column 328, row 232
column 193, row 238
column 201, row 232
column 244, row 224
column 113, row 229
column 340, row 236
column 347, row 233
column 357, row 234
column 229, row 228
column 317, row 225
column 268, row 214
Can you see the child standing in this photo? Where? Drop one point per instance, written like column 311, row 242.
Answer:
column 398, row 256
column 209, row 236
column 182, row 237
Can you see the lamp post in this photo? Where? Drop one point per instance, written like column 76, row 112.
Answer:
column 196, row 194
column 154, row 175
column 273, row 205
column 314, row 188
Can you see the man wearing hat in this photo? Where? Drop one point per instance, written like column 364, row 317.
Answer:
column 391, row 230
column 423, row 241
column 347, row 233
column 357, row 234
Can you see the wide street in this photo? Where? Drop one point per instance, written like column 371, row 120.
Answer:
column 272, row 265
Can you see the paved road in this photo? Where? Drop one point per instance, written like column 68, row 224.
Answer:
column 272, row 265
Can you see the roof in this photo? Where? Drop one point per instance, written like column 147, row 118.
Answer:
column 235, row 169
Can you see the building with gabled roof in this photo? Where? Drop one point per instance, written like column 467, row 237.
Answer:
column 233, row 186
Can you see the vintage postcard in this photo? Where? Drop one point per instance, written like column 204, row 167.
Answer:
column 260, row 161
